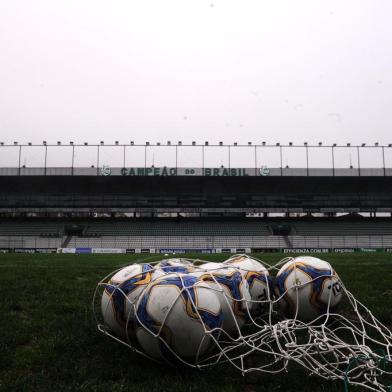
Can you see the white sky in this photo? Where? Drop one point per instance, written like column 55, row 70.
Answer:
column 196, row 70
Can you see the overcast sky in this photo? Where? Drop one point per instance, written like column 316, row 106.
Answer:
column 200, row 70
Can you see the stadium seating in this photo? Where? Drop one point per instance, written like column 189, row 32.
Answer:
column 176, row 228
column 342, row 227
column 27, row 228
column 200, row 242
column 197, row 234
column 29, row 241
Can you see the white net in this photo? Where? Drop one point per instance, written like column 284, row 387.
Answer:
column 251, row 315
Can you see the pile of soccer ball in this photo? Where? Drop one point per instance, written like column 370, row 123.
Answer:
column 182, row 311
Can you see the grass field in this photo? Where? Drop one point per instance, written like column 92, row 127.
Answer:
column 49, row 341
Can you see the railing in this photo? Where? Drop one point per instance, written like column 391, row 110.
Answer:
column 195, row 159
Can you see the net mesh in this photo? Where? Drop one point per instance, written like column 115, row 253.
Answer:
column 257, row 328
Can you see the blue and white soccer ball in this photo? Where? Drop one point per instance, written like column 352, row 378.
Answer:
column 121, row 293
column 258, row 279
column 307, row 288
column 233, row 293
column 175, row 265
column 177, row 318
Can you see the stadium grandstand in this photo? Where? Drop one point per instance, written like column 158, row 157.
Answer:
column 251, row 198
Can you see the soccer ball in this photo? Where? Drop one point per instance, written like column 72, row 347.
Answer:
column 210, row 266
column 307, row 288
column 177, row 317
column 233, row 293
column 175, row 265
column 121, row 292
column 258, row 280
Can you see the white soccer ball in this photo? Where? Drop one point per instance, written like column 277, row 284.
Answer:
column 120, row 294
column 211, row 266
column 175, row 265
column 177, row 317
column 308, row 287
column 258, row 280
column 233, row 293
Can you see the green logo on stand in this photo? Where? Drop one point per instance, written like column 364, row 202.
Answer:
column 264, row 171
column 106, row 171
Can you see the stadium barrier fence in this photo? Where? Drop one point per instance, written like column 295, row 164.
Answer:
column 183, row 251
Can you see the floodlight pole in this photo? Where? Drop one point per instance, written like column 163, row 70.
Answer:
column 383, row 160
column 202, row 159
column 333, row 162
column 20, row 155
column 124, row 156
column 229, row 160
column 307, row 161
column 73, row 159
column 145, row 158
column 359, row 163
column 281, row 160
column 46, row 155
column 176, row 159
column 98, row 160
column 255, row 160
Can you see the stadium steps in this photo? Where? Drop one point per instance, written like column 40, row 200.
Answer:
column 66, row 241
column 287, row 241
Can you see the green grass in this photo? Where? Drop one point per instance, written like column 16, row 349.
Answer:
column 49, row 341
